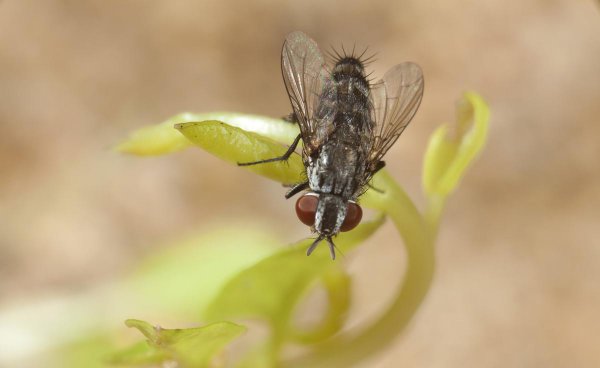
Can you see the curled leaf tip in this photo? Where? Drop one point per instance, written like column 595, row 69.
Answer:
column 450, row 153
column 189, row 347
column 145, row 328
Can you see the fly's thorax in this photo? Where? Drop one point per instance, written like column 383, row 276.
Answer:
column 337, row 168
column 329, row 172
column 314, row 172
column 330, row 215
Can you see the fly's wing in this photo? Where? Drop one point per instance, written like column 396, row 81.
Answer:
column 395, row 100
column 306, row 80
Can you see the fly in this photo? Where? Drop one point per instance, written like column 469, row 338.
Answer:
column 347, row 124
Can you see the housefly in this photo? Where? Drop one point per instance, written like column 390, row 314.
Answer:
column 347, row 124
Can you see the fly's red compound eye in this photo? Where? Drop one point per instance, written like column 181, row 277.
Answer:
column 353, row 217
column 306, row 208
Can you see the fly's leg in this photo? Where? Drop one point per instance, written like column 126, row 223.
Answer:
column 375, row 189
column 291, row 118
column 296, row 189
column 284, row 157
column 380, row 165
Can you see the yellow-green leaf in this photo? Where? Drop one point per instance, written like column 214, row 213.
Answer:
column 156, row 139
column 140, row 354
column 185, row 274
column 189, row 348
column 163, row 138
column 236, row 145
column 271, row 289
column 449, row 154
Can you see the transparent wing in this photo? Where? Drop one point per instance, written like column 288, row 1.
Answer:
column 395, row 100
column 306, row 80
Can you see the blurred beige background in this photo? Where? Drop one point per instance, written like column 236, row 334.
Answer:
column 517, row 277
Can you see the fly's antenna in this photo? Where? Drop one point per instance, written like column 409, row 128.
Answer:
column 332, row 248
column 314, row 245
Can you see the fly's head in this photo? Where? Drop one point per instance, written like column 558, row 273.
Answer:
column 327, row 214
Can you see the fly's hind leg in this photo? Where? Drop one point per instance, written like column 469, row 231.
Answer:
column 291, row 118
column 284, row 157
column 380, row 165
column 380, row 191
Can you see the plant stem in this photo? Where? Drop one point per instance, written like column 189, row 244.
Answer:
column 418, row 239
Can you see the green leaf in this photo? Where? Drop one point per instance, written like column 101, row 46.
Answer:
column 141, row 353
column 163, row 138
column 90, row 351
column 185, row 274
column 235, row 145
column 190, row 347
column 271, row 289
column 448, row 155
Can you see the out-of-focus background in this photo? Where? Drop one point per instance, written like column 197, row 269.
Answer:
column 518, row 254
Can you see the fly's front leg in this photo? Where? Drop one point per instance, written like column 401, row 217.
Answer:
column 296, row 189
column 284, row 157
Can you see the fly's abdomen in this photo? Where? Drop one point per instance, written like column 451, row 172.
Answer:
column 352, row 90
